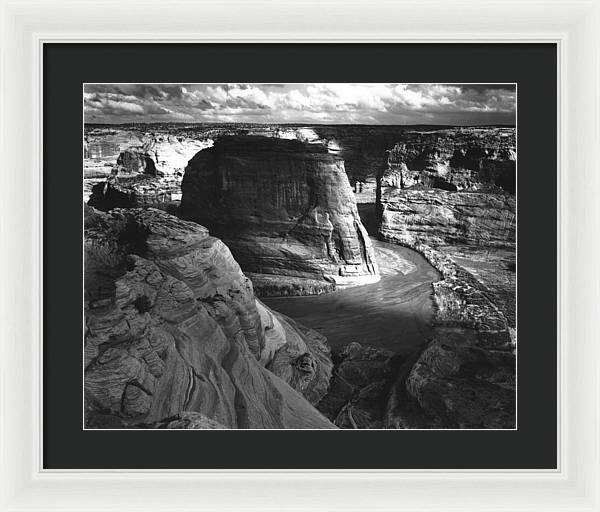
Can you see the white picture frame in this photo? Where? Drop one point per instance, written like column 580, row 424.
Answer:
column 574, row 25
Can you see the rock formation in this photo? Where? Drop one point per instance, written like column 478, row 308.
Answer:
column 363, row 148
column 135, row 191
column 454, row 159
column 450, row 187
column 173, row 327
column 160, row 155
column 148, row 174
column 438, row 217
column 284, row 208
column 358, row 392
column 449, row 196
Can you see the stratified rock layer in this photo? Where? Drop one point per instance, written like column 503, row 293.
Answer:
column 173, row 327
column 450, row 187
column 438, row 217
column 284, row 207
column 159, row 155
column 449, row 196
column 148, row 174
column 135, row 192
column 454, row 159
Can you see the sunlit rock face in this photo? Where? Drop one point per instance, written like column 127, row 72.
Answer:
column 285, row 208
column 147, row 174
column 160, row 155
column 439, row 217
column 173, row 327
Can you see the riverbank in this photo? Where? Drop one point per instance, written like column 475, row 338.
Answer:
column 394, row 314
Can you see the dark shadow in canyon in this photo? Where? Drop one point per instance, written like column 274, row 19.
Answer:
column 368, row 216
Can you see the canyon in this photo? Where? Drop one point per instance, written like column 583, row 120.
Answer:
column 288, row 276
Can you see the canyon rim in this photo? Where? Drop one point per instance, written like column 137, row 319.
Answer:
column 299, row 256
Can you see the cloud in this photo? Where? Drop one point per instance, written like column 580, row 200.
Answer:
column 302, row 103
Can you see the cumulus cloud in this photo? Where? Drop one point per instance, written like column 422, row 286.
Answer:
column 302, row 103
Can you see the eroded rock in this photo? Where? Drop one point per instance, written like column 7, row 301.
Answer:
column 285, row 209
column 172, row 325
column 438, row 217
column 359, row 388
column 450, row 196
column 471, row 159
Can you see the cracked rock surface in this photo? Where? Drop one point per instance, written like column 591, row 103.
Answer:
column 173, row 327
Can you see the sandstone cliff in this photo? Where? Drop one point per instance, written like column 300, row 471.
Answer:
column 438, row 217
column 135, row 191
column 454, row 159
column 159, row 155
column 146, row 174
column 450, row 196
column 173, row 328
column 285, row 209
column 450, row 187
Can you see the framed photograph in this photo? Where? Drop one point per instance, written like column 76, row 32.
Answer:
column 283, row 256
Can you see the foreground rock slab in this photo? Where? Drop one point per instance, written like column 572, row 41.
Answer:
column 173, row 327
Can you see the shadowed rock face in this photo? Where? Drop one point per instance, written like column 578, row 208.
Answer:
column 359, row 387
column 135, row 192
column 450, row 197
column 173, row 327
column 482, row 159
column 285, row 208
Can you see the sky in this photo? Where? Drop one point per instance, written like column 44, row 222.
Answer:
column 314, row 103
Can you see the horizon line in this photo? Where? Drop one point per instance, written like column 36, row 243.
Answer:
column 510, row 125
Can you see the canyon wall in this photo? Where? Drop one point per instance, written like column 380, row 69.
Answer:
column 160, row 155
column 285, row 209
column 454, row 159
column 146, row 173
column 450, row 187
column 175, row 336
column 450, row 196
column 438, row 217
column 142, row 165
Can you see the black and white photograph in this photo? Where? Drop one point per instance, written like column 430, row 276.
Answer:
column 299, row 256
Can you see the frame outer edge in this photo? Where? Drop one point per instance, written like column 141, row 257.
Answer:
column 24, row 486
